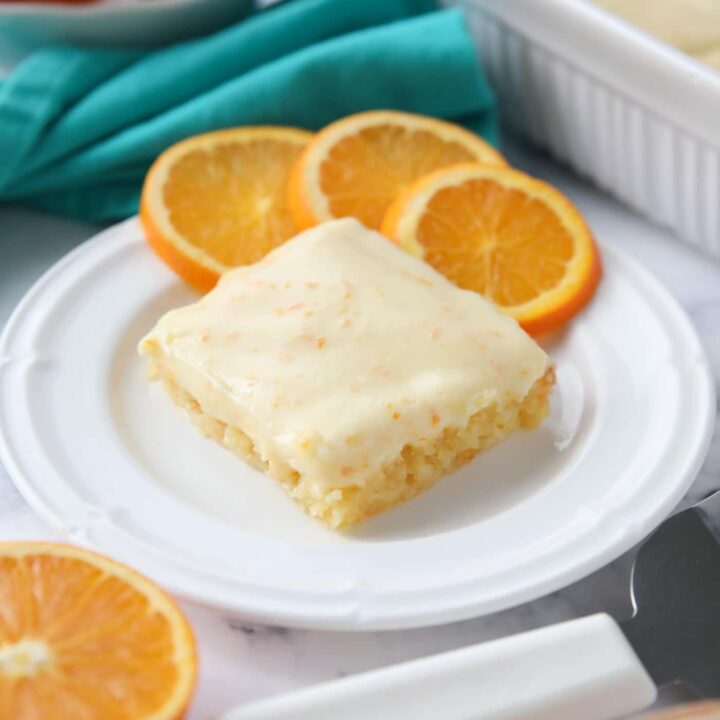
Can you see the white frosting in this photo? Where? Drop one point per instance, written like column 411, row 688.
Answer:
column 690, row 25
column 339, row 348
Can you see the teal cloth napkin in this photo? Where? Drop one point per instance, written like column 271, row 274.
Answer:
column 80, row 127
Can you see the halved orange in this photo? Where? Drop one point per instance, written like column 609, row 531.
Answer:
column 82, row 636
column 504, row 234
column 219, row 200
column 356, row 166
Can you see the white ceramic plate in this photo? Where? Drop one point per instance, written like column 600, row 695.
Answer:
column 116, row 22
column 102, row 453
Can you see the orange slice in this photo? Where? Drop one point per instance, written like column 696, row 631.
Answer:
column 356, row 166
column 504, row 234
column 219, row 200
column 82, row 636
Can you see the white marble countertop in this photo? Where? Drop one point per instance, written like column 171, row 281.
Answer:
column 241, row 662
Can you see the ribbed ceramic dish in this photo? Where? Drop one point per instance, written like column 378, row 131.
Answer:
column 639, row 118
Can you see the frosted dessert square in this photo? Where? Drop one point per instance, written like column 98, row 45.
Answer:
column 349, row 371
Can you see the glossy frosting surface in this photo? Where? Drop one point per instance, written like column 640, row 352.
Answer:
column 339, row 348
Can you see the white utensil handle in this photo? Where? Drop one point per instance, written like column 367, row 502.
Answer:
column 579, row 669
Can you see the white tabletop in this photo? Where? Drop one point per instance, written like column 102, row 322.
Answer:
column 241, row 662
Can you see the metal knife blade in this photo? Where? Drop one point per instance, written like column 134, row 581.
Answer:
column 581, row 668
column 675, row 588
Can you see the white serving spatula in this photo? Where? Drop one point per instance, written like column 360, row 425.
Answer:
column 588, row 669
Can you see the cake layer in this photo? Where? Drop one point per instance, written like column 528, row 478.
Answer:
column 415, row 470
column 339, row 350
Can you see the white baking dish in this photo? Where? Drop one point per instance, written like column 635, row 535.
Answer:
column 638, row 117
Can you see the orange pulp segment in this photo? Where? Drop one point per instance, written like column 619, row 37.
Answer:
column 500, row 232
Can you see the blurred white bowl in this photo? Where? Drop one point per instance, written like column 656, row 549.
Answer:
column 114, row 22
